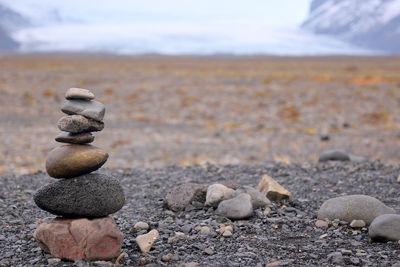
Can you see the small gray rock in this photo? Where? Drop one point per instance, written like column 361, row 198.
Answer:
column 88, row 108
column 217, row 193
column 239, row 207
column 355, row 158
column 353, row 207
column 385, row 227
column 335, row 258
column 258, row 200
column 139, row 226
column 91, row 195
column 79, row 124
column 181, row 196
column 334, row 154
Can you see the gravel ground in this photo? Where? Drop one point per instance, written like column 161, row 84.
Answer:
column 287, row 235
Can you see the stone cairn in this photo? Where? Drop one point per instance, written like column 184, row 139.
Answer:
column 82, row 200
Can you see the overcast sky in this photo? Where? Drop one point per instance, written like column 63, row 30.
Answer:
column 276, row 13
column 171, row 27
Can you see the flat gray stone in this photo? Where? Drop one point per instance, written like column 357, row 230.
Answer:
column 385, row 227
column 334, row 154
column 236, row 208
column 70, row 138
column 258, row 200
column 353, row 207
column 79, row 124
column 88, row 196
column 88, row 108
column 79, row 93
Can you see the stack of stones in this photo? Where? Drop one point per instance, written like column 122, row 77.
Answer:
column 82, row 199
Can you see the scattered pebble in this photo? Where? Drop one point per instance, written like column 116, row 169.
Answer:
column 209, row 251
column 357, row 224
column 353, row 207
column 321, row 223
column 217, row 193
column 227, row 233
column 272, row 189
column 258, row 200
column 385, row 227
column 239, row 207
column 334, row 154
column 139, row 226
column 53, row 261
column 146, row 241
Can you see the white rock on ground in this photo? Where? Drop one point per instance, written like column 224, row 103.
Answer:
column 217, row 193
column 272, row 189
column 146, row 241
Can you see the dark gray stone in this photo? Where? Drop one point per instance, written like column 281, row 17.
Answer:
column 91, row 195
column 334, row 154
column 353, row 207
column 385, row 227
column 80, row 138
column 181, row 196
column 88, row 108
column 79, row 124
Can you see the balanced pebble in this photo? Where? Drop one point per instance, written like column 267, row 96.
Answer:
column 80, row 138
column 79, row 93
column 89, row 108
column 79, row 124
column 91, row 195
column 72, row 160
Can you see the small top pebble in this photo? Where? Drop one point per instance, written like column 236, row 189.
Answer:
column 79, row 93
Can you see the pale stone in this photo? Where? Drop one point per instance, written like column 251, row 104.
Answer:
column 216, row 193
column 353, row 207
column 272, row 189
column 357, row 224
column 146, row 241
column 79, row 93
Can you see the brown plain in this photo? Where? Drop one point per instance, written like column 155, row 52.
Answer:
column 191, row 110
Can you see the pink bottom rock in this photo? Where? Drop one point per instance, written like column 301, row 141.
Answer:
column 72, row 239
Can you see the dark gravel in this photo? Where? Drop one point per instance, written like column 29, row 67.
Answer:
column 288, row 234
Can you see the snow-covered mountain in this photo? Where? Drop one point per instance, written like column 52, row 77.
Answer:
column 373, row 24
column 9, row 22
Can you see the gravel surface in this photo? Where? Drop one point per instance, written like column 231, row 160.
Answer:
column 287, row 235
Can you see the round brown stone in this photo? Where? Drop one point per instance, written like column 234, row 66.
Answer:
column 80, row 138
column 72, row 160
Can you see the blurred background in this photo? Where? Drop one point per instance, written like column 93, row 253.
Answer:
column 189, row 82
column 301, row 27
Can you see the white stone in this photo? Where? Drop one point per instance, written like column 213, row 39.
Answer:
column 217, row 193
